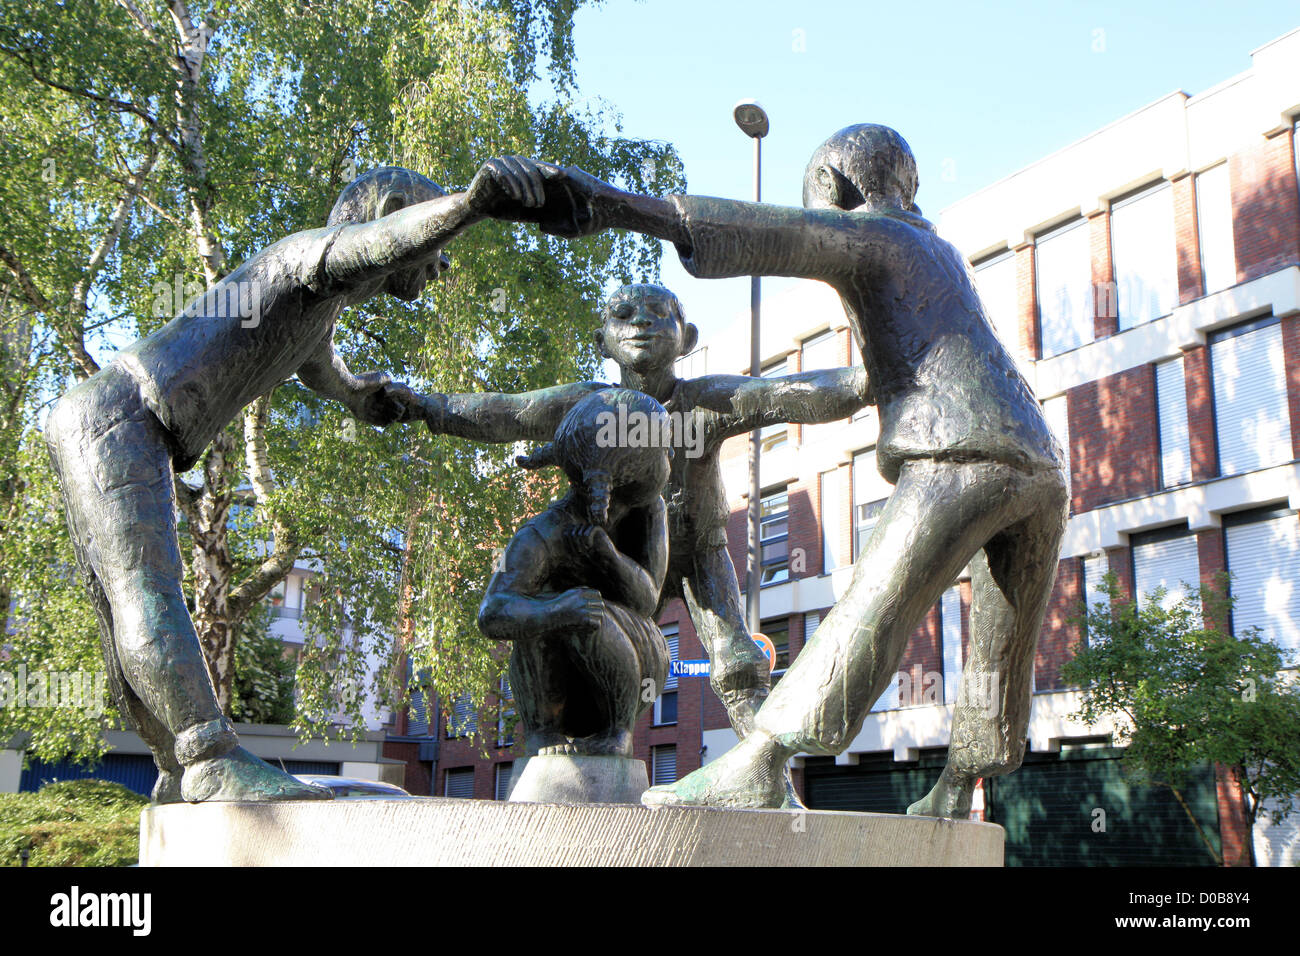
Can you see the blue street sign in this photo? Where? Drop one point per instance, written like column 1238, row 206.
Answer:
column 690, row 668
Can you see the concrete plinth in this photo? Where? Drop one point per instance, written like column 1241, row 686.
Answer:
column 438, row 831
column 554, row 778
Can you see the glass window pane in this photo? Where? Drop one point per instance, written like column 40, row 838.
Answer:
column 1064, row 264
column 995, row 281
column 1145, row 256
column 1214, row 222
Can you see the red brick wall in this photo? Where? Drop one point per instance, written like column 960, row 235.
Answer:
column 1190, row 281
column 1209, row 551
column 418, row 779
column 1202, row 443
column 1234, row 832
column 1027, row 299
column 1266, row 206
column 1104, row 298
column 1058, row 637
column 1121, row 565
column 1114, row 444
column 923, row 659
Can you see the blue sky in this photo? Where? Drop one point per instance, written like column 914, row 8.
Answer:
column 978, row 89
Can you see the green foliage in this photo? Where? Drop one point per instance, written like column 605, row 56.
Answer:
column 54, row 629
column 291, row 104
column 264, row 674
column 1185, row 692
column 72, row 823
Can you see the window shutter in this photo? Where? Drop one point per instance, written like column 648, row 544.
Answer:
column 830, row 500
column 1264, row 560
column 503, row 771
column 1250, row 413
column 463, row 720
column 1166, row 562
column 1094, row 570
column 950, row 623
column 1171, row 401
column 663, row 764
column 670, row 636
column 459, row 783
column 417, row 715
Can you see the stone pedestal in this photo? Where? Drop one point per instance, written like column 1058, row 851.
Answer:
column 578, row 779
column 438, row 831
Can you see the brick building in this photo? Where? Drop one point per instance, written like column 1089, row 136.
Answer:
column 1147, row 278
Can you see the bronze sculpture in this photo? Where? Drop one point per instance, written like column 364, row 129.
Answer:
column 578, row 585
column 118, row 439
column 645, row 331
column 977, row 472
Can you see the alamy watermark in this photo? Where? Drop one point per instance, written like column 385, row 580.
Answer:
column 226, row 300
column 77, row 690
column 636, row 429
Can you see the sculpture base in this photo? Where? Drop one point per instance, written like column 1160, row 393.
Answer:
column 578, row 779
column 438, row 831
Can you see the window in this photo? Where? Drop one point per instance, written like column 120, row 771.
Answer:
column 1214, row 222
column 1262, row 549
column 830, row 501
column 502, row 787
column 1145, row 255
column 1251, row 421
column 774, row 436
column 995, row 281
column 1167, row 559
column 665, row 710
column 1171, row 404
column 1095, row 568
column 950, row 627
column 663, row 764
column 694, row 364
column 1057, row 412
column 811, row 621
column 670, row 638
column 1064, row 264
column 417, row 715
column 870, row 492
column 774, row 537
column 462, row 721
column 856, row 361
column 505, row 714
column 459, row 783
column 417, row 712
column 778, row 631
column 820, row 351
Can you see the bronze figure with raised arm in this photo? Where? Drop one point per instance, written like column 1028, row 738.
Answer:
column 645, row 331
column 118, row 439
column 977, row 472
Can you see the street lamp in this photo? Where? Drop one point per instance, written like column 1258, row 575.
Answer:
column 752, row 121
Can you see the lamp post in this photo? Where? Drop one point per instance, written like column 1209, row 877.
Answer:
column 752, row 121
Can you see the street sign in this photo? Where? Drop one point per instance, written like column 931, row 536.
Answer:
column 768, row 648
column 690, row 668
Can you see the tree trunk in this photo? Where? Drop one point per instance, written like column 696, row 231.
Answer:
column 213, row 568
